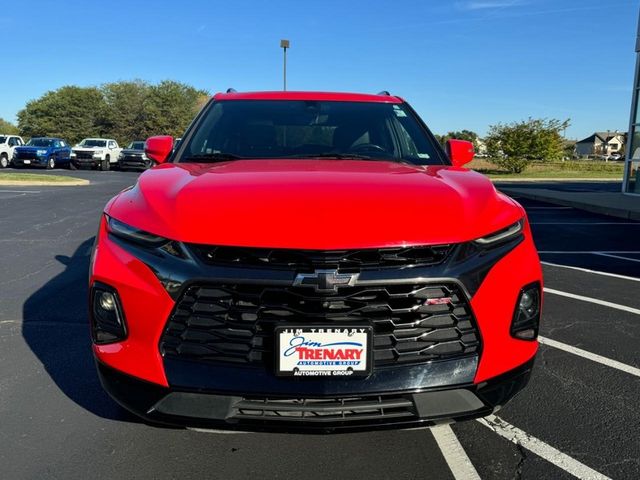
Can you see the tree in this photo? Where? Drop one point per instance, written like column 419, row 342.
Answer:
column 8, row 128
column 70, row 112
column 171, row 107
column 127, row 110
column 514, row 146
column 467, row 135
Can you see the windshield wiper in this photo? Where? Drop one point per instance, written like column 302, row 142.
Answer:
column 212, row 157
column 356, row 156
column 337, row 156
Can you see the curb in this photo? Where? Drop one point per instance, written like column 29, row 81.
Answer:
column 589, row 207
column 40, row 183
column 553, row 180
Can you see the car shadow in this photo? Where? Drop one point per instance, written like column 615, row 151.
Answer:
column 56, row 328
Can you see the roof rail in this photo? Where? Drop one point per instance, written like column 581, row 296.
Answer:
column 385, row 93
column 231, row 90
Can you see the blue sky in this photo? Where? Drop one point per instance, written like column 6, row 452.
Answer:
column 461, row 64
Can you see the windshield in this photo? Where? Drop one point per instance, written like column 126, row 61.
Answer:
column 88, row 142
column 304, row 129
column 136, row 146
column 40, row 142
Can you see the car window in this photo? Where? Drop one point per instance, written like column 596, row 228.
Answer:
column 89, row 142
column 62, row 144
column 299, row 128
column 112, row 144
column 3, row 140
column 40, row 142
column 13, row 142
column 56, row 144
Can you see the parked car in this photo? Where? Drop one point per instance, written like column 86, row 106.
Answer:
column 615, row 156
column 7, row 145
column 96, row 153
column 43, row 152
column 133, row 157
column 348, row 274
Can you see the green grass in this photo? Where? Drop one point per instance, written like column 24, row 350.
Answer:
column 33, row 177
column 559, row 170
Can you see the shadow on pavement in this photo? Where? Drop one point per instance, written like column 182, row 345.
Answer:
column 56, row 328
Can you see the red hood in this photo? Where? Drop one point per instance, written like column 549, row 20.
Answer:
column 314, row 204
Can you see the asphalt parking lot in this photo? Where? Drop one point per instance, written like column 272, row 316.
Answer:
column 579, row 416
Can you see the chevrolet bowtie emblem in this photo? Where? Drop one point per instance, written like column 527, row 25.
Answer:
column 325, row 280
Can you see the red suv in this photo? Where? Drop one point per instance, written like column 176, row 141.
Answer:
column 312, row 261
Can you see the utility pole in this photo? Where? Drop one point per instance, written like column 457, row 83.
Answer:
column 284, row 44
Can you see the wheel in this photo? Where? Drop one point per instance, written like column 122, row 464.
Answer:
column 51, row 163
column 4, row 161
column 104, row 166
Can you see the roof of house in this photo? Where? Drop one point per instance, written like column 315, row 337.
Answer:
column 603, row 136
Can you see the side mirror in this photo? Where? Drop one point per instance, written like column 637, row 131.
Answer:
column 158, row 148
column 460, row 152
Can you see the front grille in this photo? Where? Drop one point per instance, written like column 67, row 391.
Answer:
column 84, row 155
column 27, row 155
column 325, row 410
column 135, row 158
column 234, row 323
column 308, row 260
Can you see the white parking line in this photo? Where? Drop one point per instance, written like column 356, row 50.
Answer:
column 596, row 272
column 586, row 223
column 617, row 306
column 455, row 456
column 590, row 356
column 617, row 256
column 540, row 448
column 590, row 252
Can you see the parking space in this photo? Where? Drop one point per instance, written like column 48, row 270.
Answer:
column 577, row 418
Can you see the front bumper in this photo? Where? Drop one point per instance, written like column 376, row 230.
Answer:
column 30, row 162
column 163, row 389
column 329, row 414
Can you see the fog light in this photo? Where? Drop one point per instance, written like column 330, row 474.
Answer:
column 526, row 318
column 107, row 301
column 107, row 317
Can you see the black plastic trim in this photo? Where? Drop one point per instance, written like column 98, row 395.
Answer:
column 210, row 409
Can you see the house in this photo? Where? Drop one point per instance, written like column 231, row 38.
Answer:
column 602, row 144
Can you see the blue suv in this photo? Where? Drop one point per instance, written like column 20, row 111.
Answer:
column 43, row 152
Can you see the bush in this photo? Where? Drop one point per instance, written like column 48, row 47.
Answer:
column 516, row 145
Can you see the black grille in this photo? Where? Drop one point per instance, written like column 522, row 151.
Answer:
column 84, row 155
column 343, row 260
column 234, row 323
column 26, row 155
column 133, row 157
column 325, row 410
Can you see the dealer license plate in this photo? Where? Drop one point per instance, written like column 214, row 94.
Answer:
column 316, row 351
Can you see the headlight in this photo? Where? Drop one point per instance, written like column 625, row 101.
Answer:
column 502, row 235
column 120, row 157
column 73, row 154
column 41, row 152
column 133, row 234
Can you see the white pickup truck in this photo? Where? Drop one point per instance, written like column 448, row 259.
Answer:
column 96, row 153
column 7, row 144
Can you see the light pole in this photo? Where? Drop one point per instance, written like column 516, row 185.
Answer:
column 284, row 44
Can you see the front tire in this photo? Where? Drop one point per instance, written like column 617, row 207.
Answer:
column 51, row 163
column 104, row 166
column 4, row 161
